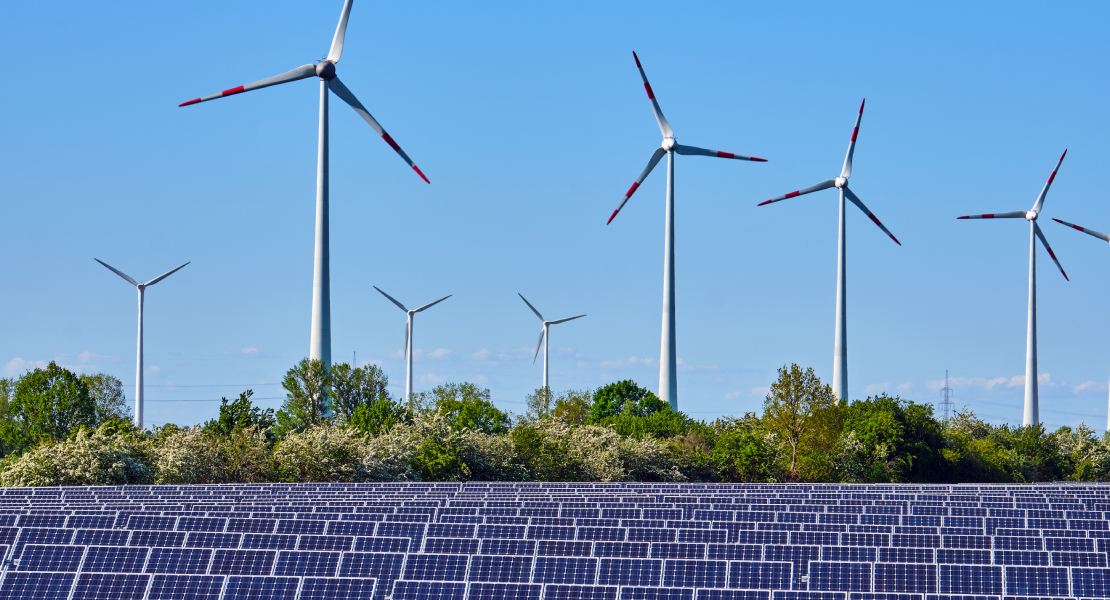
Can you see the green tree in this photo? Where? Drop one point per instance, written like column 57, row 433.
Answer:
column 107, row 394
column 801, row 412
column 47, row 405
column 379, row 417
column 573, row 406
column 355, row 387
column 623, row 397
column 306, row 397
column 240, row 414
column 538, row 403
column 903, row 441
column 466, row 405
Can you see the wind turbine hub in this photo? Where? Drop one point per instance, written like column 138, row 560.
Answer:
column 668, row 144
column 326, row 70
column 1031, row 215
column 840, row 182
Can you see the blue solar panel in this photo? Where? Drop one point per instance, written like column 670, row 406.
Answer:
column 630, row 571
column 241, row 562
column 970, row 579
column 110, row 586
column 656, row 593
column 436, row 567
column 760, row 575
column 381, row 566
column 579, row 592
column 186, row 587
column 114, row 559
column 1090, row 583
column 261, row 588
column 50, row 558
column 733, row 595
column 840, row 576
column 563, row 548
column 1036, row 581
column 101, row 537
column 307, row 563
column 569, row 570
column 165, row 539
column 912, row 578
column 622, row 549
column 213, row 540
column 500, row 568
column 503, row 591
column 251, row 525
column 695, row 573
column 422, row 590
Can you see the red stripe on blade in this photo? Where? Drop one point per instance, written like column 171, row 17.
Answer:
column 895, row 240
column 1051, row 177
column 855, row 132
column 990, row 216
column 233, row 91
column 1064, row 154
column 651, row 94
column 725, row 154
column 759, row 159
column 1050, row 252
column 389, row 140
column 1065, row 275
column 765, row 202
column 421, row 174
column 188, row 103
column 637, row 59
column 876, row 221
column 861, row 105
column 628, row 194
column 612, row 216
column 958, row 218
column 792, row 194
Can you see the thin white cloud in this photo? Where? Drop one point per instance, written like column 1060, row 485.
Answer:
column 431, row 379
column 17, row 366
column 482, row 354
column 250, row 350
column 154, row 369
column 760, row 391
column 440, row 353
column 1090, row 386
column 905, row 387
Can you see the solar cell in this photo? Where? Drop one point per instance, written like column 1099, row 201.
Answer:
column 905, row 555
column 421, row 590
column 436, row 567
column 695, row 573
column 733, row 595
column 656, row 593
column 579, row 592
column 110, row 586
column 1036, row 581
column 840, row 576
column 186, row 587
column 114, row 559
column 500, row 568
column 165, row 539
column 503, row 591
column 260, row 588
column 240, row 562
column 199, row 539
column 564, row 569
column 629, row 571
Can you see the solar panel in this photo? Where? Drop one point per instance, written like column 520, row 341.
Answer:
column 579, row 592
column 114, row 559
column 656, row 593
column 182, row 587
column 436, row 567
column 307, row 563
column 903, row 577
column 50, row 558
column 110, row 586
column 500, row 568
column 695, row 573
column 733, row 595
column 629, row 571
column 421, row 590
column 260, row 588
column 840, row 576
column 503, row 591
column 39, row 586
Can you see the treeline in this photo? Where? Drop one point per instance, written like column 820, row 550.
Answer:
column 57, row 428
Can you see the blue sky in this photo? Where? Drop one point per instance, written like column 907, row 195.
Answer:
column 531, row 122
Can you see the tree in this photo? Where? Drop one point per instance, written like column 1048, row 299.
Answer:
column 539, row 403
column 107, row 394
column 379, row 417
column 623, row 397
column 465, row 405
column 240, row 414
column 904, row 439
column 801, row 411
column 573, row 406
column 47, row 405
column 355, row 387
column 306, row 397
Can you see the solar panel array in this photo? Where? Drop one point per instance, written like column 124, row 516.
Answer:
column 531, row 541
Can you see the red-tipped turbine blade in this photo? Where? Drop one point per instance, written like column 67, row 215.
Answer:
column 345, row 94
column 1092, row 232
column 664, row 126
column 691, row 150
column 654, row 160
column 302, row 72
column 1044, row 192
column 855, row 200
column 847, row 170
column 824, row 185
column 1017, row 214
column 1040, row 234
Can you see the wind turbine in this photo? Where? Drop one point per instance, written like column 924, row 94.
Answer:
column 1032, row 413
column 1104, row 237
column 544, row 336
column 139, row 353
column 320, row 338
column 840, row 341
column 668, row 359
column 408, row 337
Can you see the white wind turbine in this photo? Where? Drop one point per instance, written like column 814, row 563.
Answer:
column 544, row 338
column 320, row 337
column 1032, row 412
column 408, row 337
column 139, row 353
column 668, row 359
column 1106, row 238
column 840, row 340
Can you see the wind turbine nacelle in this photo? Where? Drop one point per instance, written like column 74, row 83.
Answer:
column 326, row 70
column 1031, row 215
column 840, row 182
column 669, row 144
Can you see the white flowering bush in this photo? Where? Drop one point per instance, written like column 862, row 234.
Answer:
column 194, row 456
column 429, row 449
column 323, row 452
column 92, row 457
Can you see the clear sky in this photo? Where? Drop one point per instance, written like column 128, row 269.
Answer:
column 531, row 122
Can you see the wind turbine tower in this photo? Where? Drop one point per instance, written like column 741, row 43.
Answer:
column 139, row 352
column 545, row 339
column 408, row 337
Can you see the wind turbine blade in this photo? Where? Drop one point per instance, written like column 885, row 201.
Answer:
column 542, row 331
column 117, row 272
column 301, row 72
column 1040, row 234
column 1044, row 192
column 691, row 150
column 426, row 306
column 340, row 31
column 399, row 305
column 408, row 334
column 855, row 200
column 530, row 305
column 1101, row 236
column 565, row 320
column 345, row 94
column 165, row 275
column 1017, row 214
column 654, row 160
column 847, row 170
column 664, row 126
column 824, row 185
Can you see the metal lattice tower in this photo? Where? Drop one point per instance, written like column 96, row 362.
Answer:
column 946, row 404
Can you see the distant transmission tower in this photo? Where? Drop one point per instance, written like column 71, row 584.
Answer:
column 946, row 404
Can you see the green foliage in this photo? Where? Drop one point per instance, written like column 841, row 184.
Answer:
column 538, row 403
column 466, row 405
column 47, row 405
column 804, row 414
column 240, row 414
column 378, row 417
column 623, row 397
column 903, row 440
column 573, row 406
column 106, row 392
column 352, row 388
column 663, row 423
column 306, row 397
